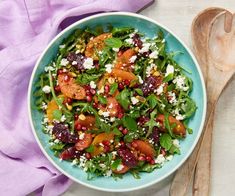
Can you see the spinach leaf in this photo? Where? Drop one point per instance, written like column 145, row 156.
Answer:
column 115, row 164
column 113, row 88
column 57, row 114
column 57, row 147
column 139, row 91
column 90, row 148
column 166, row 141
column 152, row 99
column 102, row 100
column 123, row 98
column 151, row 123
column 129, row 123
column 113, row 42
column 87, row 78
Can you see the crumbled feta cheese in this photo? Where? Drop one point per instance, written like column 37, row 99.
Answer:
column 46, row 89
column 134, row 100
column 153, row 55
column 56, row 141
column 62, row 46
column 169, row 158
column 64, row 62
column 92, row 84
column 101, row 90
column 151, row 141
column 176, row 143
column 108, row 68
column 169, row 70
column 74, row 162
column 81, row 136
column 172, row 98
column 49, row 68
column 108, row 173
column 177, row 115
column 101, row 144
column 160, row 159
column 112, row 119
column 106, row 114
column 88, row 63
column 180, row 83
column 149, row 69
column 160, row 89
column 44, row 106
column 163, row 41
column 63, row 118
column 140, row 80
column 115, row 49
column 132, row 59
column 145, row 48
column 74, row 63
column 120, row 167
column 102, row 165
column 129, row 41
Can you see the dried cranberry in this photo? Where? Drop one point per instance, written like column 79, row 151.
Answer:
column 75, row 116
column 57, row 88
column 88, row 155
column 142, row 120
column 137, row 41
column 70, row 153
column 78, row 58
column 60, row 71
column 163, row 151
column 78, row 127
column 141, row 158
column 155, row 135
column 106, row 143
column 62, row 133
column 93, row 91
column 127, row 157
column 106, row 89
column 150, row 84
column 125, row 131
column 148, row 158
column 95, row 105
column 106, row 148
column 127, row 82
column 89, row 98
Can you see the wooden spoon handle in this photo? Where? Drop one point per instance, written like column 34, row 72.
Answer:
column 184, row 174
column 201, row 185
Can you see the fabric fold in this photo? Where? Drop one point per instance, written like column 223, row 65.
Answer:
column 26, row 27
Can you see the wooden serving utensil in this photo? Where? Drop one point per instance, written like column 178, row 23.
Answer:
column 202, row 34
column 221, row 67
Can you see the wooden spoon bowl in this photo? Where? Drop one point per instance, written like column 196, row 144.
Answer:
column 213, row 41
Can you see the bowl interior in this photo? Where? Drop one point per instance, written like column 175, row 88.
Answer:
column 149, row 28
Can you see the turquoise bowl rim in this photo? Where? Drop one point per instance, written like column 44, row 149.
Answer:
column 189, row 151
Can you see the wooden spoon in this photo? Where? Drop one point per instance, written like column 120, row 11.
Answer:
column 200, row 33
column 221, row 67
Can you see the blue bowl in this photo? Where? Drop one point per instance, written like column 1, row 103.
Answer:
column 187, row 60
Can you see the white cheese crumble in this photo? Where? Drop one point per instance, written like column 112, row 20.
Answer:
column 115, row 49
column 160, row 89
column 145, row 48
column 129, row 41
column 160, row 159
column 180, row 83
column 108, row 173
column 46, row 89
column 134, row 100
column 92, row 84
column 172, row 96
column 62, row 46
column 102, row 165
column 49, row 68
column 64, row 62
column 120, row 167
column 81, row 136
column 106, row 114
column 176, row 143
column 74, row 162
column 149, row 69
column 101, row 90
column 88, row 63
column 169, row 158
column 112, row 119
column 132, row 59
column 44, row 106
column 74, row 63
column 108, row 68
column 140, row 80
column 177, row 115
column 63, row 118
column 169, row 70
column 153, row 55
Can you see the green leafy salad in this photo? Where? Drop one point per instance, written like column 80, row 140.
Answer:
column 115, row 101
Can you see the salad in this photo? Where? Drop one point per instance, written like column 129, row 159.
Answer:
column 115, row 102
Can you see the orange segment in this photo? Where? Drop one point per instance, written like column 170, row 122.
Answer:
column 96, row 44
column 123, row 61
column 70, row 88
column 51, row 106
column 145, row 148
column 123, row 75
column 88, row 122
column 99, row 139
